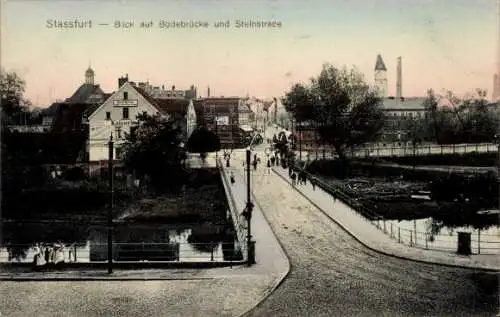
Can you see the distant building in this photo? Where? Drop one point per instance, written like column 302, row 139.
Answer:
column 221, row 115
column 118, row 114
column 245, row 115
column 162, row 93
column 88, row 94
column 398, row 113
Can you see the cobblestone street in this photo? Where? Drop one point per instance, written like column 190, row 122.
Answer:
column 334, row 275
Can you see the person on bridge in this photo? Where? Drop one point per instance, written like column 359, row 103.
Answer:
column 293, row 176
column 231, row 177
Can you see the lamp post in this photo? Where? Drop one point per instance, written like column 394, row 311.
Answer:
column 299, row 128
column 110, row 210
column 249, row 207
column 217, row 134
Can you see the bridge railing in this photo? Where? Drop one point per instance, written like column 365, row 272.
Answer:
column 238, row 220
column 482, row 242
column 375, row 150
column 38, row 254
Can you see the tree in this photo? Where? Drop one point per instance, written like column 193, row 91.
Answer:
column 345, row 109
column 416, row 132
column 464, row 119
column 154, row 149
column 12, row 88
column 202, row 141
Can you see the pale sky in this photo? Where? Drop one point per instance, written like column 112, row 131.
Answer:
column 444, row 44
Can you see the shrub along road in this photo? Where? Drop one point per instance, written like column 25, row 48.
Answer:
column 334, row 275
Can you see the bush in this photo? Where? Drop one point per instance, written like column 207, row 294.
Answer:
column 75, row 174
column 37, row 202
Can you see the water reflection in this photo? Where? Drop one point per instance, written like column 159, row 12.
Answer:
column 132, row 242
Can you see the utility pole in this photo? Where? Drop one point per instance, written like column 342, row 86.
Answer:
column 111, row 202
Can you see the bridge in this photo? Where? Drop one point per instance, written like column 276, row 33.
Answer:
column 406, row 151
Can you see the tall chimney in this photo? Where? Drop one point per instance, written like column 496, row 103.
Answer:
column 208, row 91
column 496, row 75
column 122, row 80
column 399, row 81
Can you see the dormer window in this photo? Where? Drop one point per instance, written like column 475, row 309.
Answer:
column 125, row 95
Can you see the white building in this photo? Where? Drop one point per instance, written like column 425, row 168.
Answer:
column 119, row 112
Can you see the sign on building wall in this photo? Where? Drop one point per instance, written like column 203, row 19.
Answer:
column 224, row 120
column 125, row 103
column 122, row 123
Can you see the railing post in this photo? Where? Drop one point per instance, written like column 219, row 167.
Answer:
column 392, row 234
column 212, row 254
column 399, row 235
column 385, row 229
column 415, row 229
column 478, row 241
column 411, row 238
column 426, row 246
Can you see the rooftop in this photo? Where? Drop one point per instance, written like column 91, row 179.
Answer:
column 379, row 64
column 406, row 103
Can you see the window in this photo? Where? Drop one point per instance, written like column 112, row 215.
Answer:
column 119, row 133
column 125, row 95
column 108, row 115
column 125, row 113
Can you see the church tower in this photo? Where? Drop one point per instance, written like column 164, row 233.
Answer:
column 381, row 77
column 89, row 76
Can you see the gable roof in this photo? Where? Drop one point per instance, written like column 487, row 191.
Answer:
column 146, row 96
column 69, row 117
column 51, row 111
column 173, row 106
column 379, row 64
column 83, row 93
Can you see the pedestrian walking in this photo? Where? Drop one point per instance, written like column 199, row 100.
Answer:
column 231, row 177
column 47, row 254
column 313, row 183
column 293, row 176
column 255, row 165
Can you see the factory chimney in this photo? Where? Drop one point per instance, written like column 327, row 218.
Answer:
column 208, row 92
column 399, row 82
